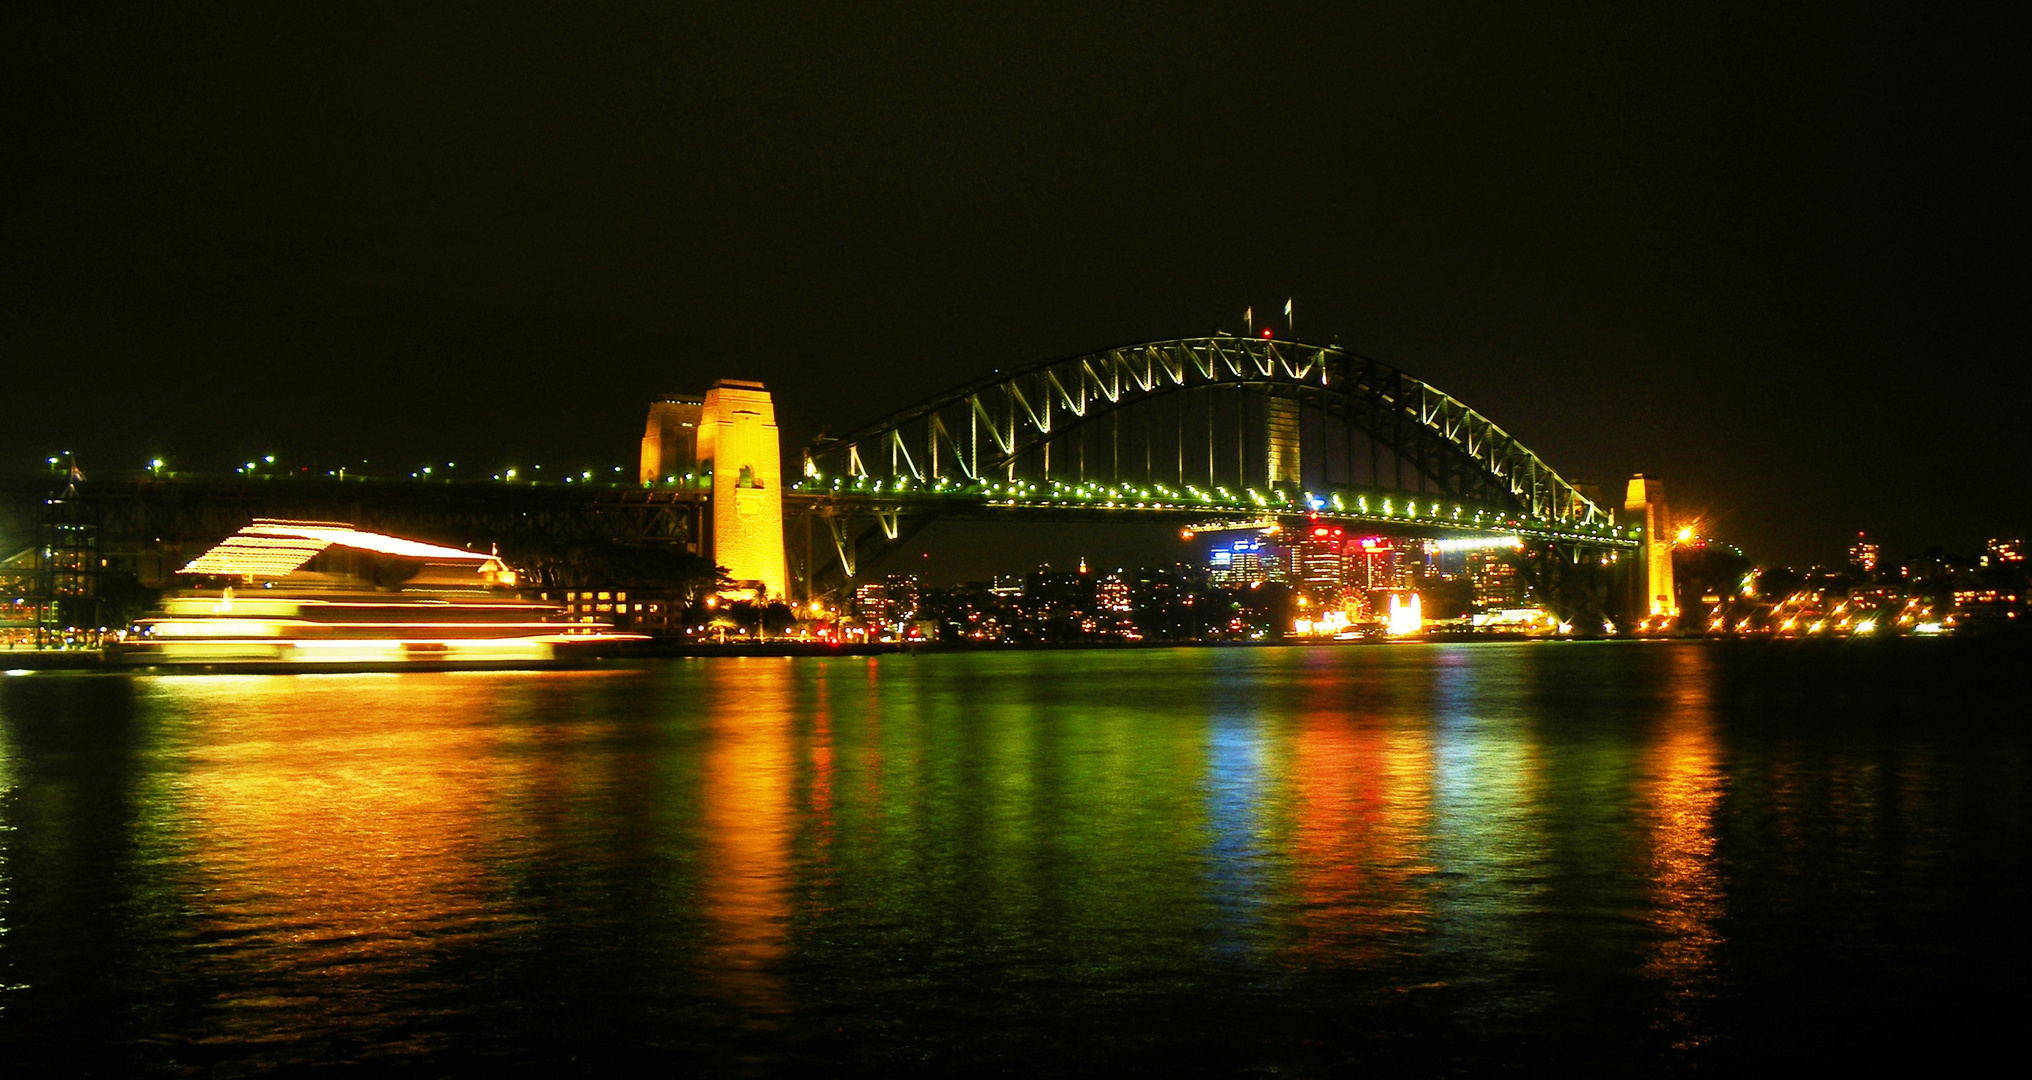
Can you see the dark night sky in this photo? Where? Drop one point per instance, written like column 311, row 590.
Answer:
column 1773, row 255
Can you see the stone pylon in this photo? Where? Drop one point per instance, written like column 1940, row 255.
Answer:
column 738, row 446
column 1645, row 501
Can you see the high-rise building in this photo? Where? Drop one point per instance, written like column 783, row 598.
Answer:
column 1494, row 579
column 1280, row 563
column 889, row 603
column 1249, row 561
column 1322, row 561
column 1237, row 562
column 873, row 604
column 1863, row 554
column 1377, row 564
column 1421, row 559
column 2005, row 553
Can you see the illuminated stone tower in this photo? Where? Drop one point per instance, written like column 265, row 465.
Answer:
column 1645, row 502
column 738, row 448
column 670, row 444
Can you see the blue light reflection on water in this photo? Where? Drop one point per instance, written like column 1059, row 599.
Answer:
column 1212, row 859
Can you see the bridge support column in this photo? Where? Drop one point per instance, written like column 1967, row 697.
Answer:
column 1645, row 501
column 738, row 444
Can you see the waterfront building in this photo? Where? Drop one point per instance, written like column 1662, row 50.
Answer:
column 1378, row 565
column 1113, row 593
column 1863, row 554
column 1237, row 562
column 1492, row 573
column 1322, row 562
column 889, row 604
column 649, row 611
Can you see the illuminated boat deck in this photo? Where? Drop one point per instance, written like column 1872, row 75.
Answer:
column 302, row 608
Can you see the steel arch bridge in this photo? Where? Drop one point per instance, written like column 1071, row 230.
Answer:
column 1218, row 428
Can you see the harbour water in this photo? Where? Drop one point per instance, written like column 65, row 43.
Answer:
column 1293, row 861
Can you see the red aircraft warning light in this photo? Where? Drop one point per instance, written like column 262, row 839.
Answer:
column 1267, row 332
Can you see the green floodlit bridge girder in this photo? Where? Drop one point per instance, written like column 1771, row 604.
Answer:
column 983, row 451
column 978, row 434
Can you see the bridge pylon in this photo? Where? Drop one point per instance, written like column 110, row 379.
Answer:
column 739, row 447
column 1644, row 502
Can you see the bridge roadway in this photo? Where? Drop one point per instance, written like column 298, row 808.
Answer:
column 152, row 524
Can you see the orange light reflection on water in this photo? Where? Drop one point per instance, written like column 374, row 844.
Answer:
column 1683, row 789
column 334, row 843
column 748, row 791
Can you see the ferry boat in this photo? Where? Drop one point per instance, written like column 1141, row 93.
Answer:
column 310, row 595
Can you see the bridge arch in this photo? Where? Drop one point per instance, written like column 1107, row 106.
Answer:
column 984, row 429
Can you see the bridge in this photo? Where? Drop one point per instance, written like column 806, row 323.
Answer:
column 1220, row 428
column 1202, row 433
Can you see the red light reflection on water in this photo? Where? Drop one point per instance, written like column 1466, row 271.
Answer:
column 1360, row 801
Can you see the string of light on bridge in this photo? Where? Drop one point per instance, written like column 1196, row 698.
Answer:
column 1056, row 494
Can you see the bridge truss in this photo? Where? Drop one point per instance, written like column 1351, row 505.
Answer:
column 1200, row 427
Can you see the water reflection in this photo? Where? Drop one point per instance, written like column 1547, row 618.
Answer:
column 747, row 784
column 1683, row 790
column 1361, row 800
column 340, row 852
column 8, row 784
column 1238, row 856
column 947, row 859
column 1488, row 836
